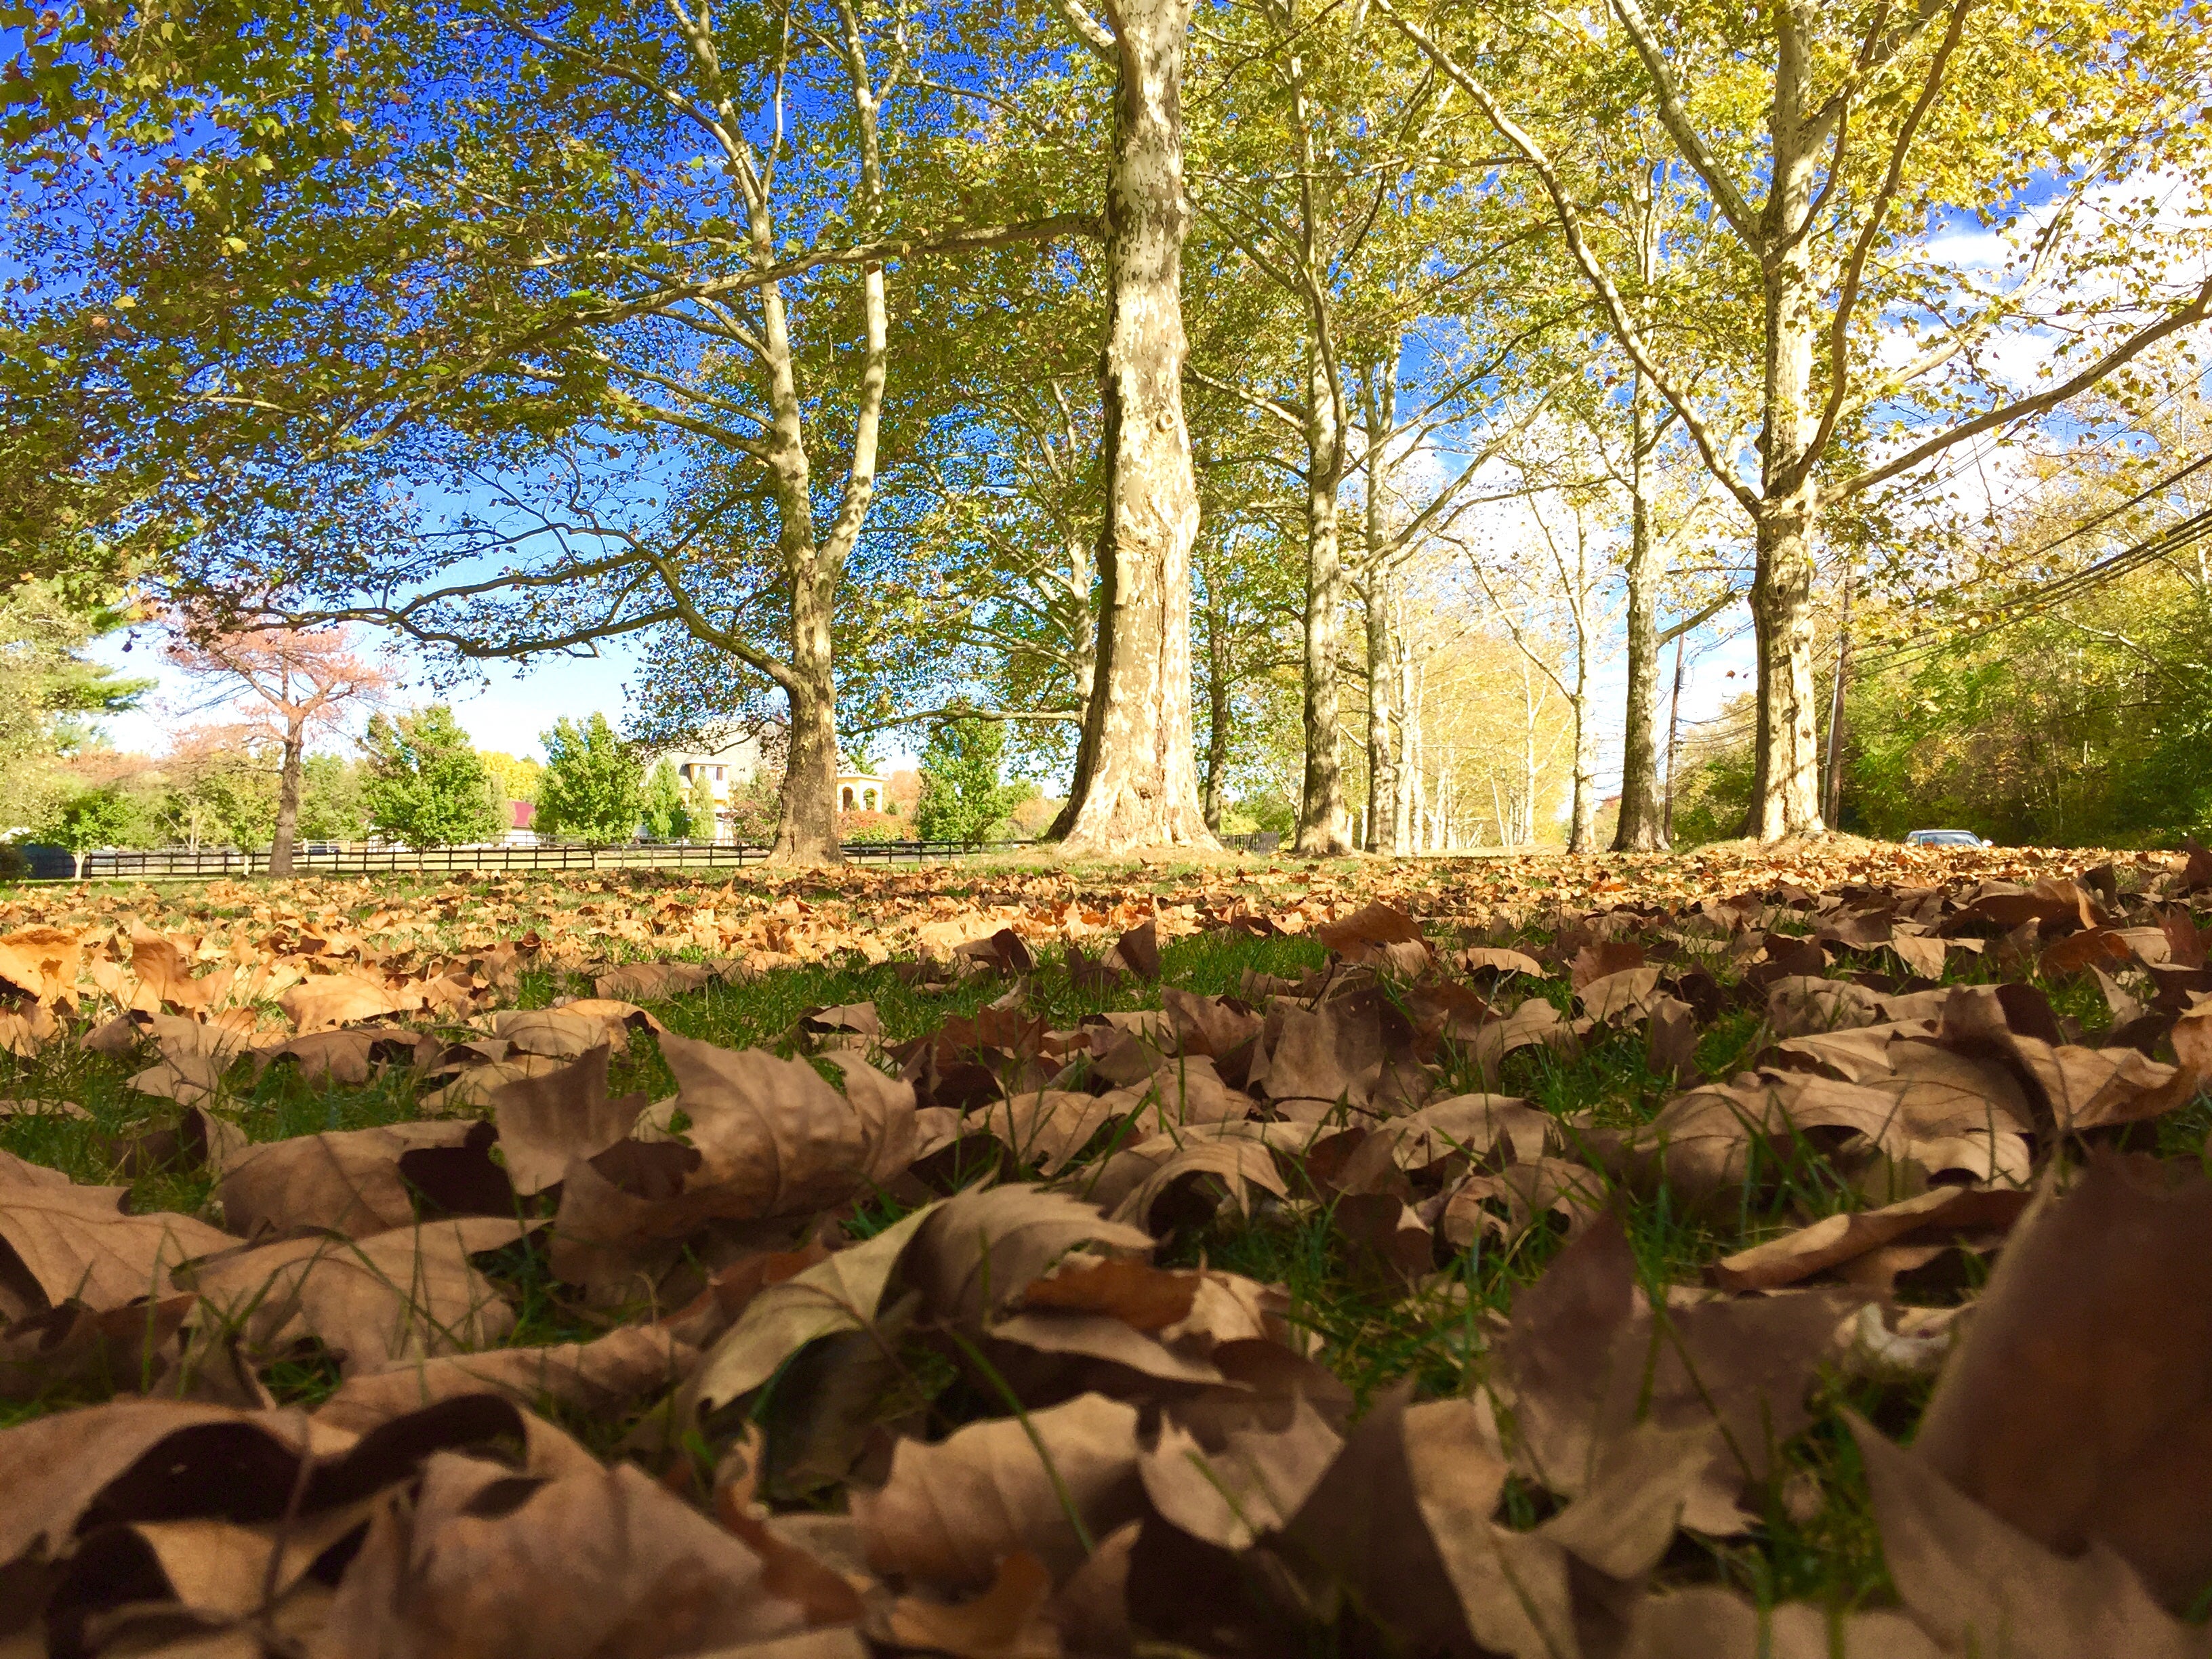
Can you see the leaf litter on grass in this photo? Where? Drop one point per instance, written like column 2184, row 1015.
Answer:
column 1505, row 1258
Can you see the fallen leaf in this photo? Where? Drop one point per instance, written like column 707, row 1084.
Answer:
column 545, row 1122
column 1254, row 1484
column 1050, row 1483
column 596, row 1562
column 2099, row 1313
column 1979, row 1586
column 75, row 1244
column 348, row 1181
column 1837, row 1239
column 404, row 1294
column 607, row 1377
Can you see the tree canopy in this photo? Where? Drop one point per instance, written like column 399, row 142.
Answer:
column 1188, row 391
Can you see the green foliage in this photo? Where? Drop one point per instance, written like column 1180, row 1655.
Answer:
column 700, row 806
column 870, row 829
column 962, row 798
column 1713, row 774
column 426, row 785
column 220, row 796
column 331, row 803
column 91, row 817
column 47, row 690
column 591, row 786
column 2088, row 725
column 666, row 807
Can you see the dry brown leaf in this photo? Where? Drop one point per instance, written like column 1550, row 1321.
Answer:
column 2099, row 1313
column 1509, row 1202
column 75, row 1244
column 128, row 1347
column 1239, row 1163
column 607, row 1377
column 1583, row 1360
column 951, row 1512
column 651, row 982
column 405, row 1294
column 317, row 1004
column 980, row 1250
column 42, row 962
column 546, row 1121
column 1837, row 1239
column 1708, row 1622
column 1006, row 1621
column 772, row 1137
column 350, row 1181
column 1979, row 1586
column 595, row 1563
column 1397, row 1519
column 840, row 1294
column 1254, row 1484
column 1620, row 998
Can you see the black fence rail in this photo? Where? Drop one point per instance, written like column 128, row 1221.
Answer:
column 201, row 863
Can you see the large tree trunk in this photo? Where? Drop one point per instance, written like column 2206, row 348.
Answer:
column 1642, row 828
column 1786, row 764
column 1321, row 801
column 286, row 833
column 806, row 818
column 1786, row 761
column 1139, row 787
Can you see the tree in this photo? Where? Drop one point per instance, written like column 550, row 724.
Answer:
column 217, row 787
column 331, row 805
column 88, row 818
column 48, row 689
column 426, row 786
column 666, row 811
column 638, row 245
column 515, row 776
column 1136, row 777
column 592, row 787
column 962, row 798
column 297, row 683
column 1834, row 144
column 701, row 811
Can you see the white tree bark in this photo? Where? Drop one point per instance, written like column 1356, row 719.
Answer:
column 1136, row 778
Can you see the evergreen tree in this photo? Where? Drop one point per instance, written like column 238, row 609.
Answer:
column 426, row 785
column 591, row 786
column 962, row 798
column 667, row 813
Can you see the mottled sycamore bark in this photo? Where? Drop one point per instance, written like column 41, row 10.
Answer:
column 1137, row 782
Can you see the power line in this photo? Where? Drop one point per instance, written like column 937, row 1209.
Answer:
column 2174, row 538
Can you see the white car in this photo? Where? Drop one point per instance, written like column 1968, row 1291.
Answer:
column 1944, row 838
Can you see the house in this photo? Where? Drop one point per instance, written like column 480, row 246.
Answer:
column 518, row 832
column 861, row 792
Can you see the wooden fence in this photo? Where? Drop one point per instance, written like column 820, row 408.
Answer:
column 362, row 858
column 206, row 863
